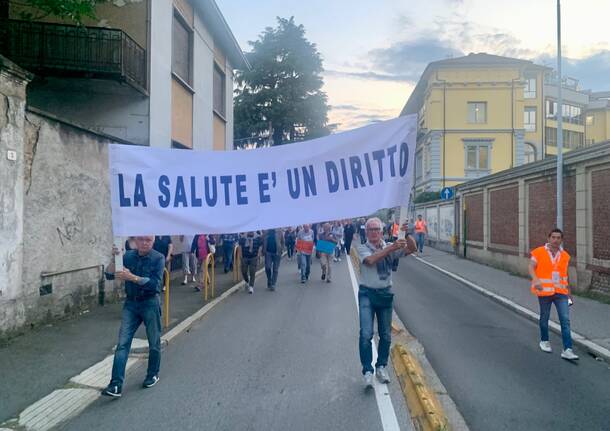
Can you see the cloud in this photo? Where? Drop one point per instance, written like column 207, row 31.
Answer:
column 368, row 75
column 345, row 107
column 592, row 71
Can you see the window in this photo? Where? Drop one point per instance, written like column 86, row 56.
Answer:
column 570, row 113
column 529, row 118
column 590, row 120
column 220, row 100
column 427, row 158
column 418, row 165
column 477, row 156
column 530, row 87
column 530, row 153
column 571, row 139
column 477, row 112
column 182, row 49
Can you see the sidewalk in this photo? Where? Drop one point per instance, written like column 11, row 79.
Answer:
column 44, row 359
column 589, row 318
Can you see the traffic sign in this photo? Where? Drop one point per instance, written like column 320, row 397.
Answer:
column 447, row 193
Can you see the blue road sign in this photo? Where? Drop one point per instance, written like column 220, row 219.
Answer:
column 447, row 193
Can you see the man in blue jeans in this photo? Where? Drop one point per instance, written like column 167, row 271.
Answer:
column 273, row 248
column 143, row 275
column 375, row 297
column 228, row 244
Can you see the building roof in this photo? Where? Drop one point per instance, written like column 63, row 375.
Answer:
column 480, row 59
column 212, row 16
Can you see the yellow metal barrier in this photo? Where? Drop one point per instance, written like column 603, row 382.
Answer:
column 166, row 300
column 236, row 264
column 209, row 276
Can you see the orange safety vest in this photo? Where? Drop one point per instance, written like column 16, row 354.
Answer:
column 395, row 229
column 552, row 272
column 420, row 226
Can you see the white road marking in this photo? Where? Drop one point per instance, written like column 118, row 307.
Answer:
column 389, row 422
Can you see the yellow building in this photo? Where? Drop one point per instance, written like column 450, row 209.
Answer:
column 597, row 119
column 480, row 114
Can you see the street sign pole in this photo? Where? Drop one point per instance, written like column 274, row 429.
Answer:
column 559, row 124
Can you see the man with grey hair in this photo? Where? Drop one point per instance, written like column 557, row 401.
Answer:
column 375, row 297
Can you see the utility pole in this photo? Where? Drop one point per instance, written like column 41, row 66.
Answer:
column 559, row 124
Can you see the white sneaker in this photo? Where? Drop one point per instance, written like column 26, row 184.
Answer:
column 569, row 355
column 382, row 375
column 545, row 346
column 250, row 289
column 368, row 380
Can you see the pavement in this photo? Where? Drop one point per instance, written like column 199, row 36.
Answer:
column 589, row 318
column 283, row 360
column 487, row 356
column 44, row 359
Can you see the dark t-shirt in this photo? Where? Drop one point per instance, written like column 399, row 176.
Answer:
column 162, row 244
column 348, row 231
column 271, row 242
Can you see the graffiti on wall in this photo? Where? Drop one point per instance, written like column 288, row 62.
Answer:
column 446, row 223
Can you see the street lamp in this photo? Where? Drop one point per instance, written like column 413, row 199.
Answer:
column 559, row 124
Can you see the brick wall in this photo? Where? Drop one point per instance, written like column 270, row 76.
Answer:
column 474, row 217
column 600, row 197
column 600, row 282
column 542, row 205
column 504, row 216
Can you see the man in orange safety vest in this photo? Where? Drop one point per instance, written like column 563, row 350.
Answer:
column 549, row 271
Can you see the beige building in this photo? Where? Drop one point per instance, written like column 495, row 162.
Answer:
column 597, row 120
column 151, row 72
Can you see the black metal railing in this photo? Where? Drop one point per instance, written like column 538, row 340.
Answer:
column 69, row 50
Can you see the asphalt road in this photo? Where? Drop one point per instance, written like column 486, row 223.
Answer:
column 284, row 360
column 488, row 359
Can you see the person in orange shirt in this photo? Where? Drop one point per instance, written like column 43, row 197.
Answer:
column 549, row 271
column 421, row 230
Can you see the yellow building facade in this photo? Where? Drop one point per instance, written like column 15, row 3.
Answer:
column 597, row 119
column 471, row 118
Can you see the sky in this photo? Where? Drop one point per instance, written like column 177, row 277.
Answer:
column 375, row 51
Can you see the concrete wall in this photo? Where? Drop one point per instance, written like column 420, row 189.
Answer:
column 440, row 217
column 55, row 212
column 13, row 83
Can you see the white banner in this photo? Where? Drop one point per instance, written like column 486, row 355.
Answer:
column 158, row 191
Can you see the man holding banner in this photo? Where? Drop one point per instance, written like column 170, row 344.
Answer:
column 375, row 297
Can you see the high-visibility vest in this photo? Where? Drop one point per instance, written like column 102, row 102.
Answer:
column 420, row 226
column 395, row 229
column 552, row 272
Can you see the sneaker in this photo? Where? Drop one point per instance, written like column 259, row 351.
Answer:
column 194, row 279
column 328, row 280
column 302, row 280
column 339, row 259
column 569, row 355
column 545, row 346
column 250, row 289
column 149, row 382
column 382, row 375
column 184, row 281
column 112, row 391
column 272, row 288
column 334, row 259
column 368, row 380
column 323, row 276
column 197, row 289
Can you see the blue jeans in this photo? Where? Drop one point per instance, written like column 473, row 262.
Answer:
column 272, row 266
column 305, row 265
column 563, row 311
column 134, row 313
column 227, row 249
column 290, row 249
column 419, row 238
column 384, row 322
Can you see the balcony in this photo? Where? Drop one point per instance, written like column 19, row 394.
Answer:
column 59, row 50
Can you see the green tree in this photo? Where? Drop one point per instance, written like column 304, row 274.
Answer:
column 280, row 96
column 72, row 10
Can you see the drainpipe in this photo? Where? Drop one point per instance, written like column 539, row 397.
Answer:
column 512, row 122
column 444, row 122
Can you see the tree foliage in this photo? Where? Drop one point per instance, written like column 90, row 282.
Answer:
column 280, row 96
column 72, row 10
column 427, row 197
